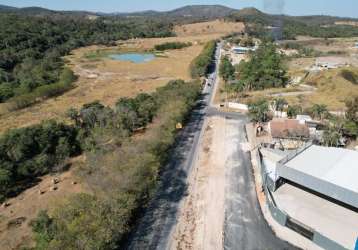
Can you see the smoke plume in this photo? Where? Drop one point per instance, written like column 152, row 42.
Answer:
column 274, row 6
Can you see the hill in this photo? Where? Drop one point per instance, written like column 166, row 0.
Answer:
column 6, row 8
column 207, row 11
column 38, row 11
column 254, row 15
column 288, row 27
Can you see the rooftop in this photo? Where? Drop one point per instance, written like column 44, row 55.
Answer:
column 288, row 128
column 332, row 60
column 331, row 220
column 334, row 165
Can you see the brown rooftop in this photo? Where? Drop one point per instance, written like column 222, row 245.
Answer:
column 288, row 128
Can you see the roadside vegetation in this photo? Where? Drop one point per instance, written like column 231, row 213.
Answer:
column 32, row 48
column 264, row 70
column 227, row 70
column 124, row 146
column 200, row 65
column 122, row 170
column 171, row 46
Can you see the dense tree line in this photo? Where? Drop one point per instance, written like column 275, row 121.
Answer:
column 201, row 64
column 226, row 70
column 27, row 153
column 292, row 29
column 31, row 47
column 264, row 70
column 123, row 174
column 171, row 45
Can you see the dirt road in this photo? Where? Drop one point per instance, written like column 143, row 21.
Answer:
column 200, row 224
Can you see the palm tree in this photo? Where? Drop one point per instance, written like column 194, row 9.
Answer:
column 319, row 111
column 279, row 104
column 332, row 138
column 259, row 110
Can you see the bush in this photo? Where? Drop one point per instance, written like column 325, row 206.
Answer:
column 6, row 91
column 124, row 176
column 52, row 90
column 171, row 45
column 22, row 101
column 43, row 92
column 349, row 76
column 293, row 111
column 259, row 110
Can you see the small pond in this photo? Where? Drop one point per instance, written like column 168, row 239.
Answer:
column 133, row 57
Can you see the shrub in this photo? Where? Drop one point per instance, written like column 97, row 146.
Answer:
column 171, row 45
column 350, row 76
column 259, row 110
column 125, row 176
column 42, row 92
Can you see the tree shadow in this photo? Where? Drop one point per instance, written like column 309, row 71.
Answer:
column 159, row 217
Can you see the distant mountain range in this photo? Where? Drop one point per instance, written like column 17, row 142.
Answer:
column 207, row 11
column 192, row 12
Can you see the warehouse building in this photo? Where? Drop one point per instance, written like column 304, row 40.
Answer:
column 331, row 172
column 314, row 192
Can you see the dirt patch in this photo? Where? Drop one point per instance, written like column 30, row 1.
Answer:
column 15, row 231
column 212, row 27
column 201, row 218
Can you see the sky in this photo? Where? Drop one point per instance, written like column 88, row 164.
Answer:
column 347, row 8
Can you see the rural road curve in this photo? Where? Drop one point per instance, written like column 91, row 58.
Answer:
column 245, row 228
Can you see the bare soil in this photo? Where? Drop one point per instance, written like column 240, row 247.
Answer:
column 15, row 230
column 201, row 218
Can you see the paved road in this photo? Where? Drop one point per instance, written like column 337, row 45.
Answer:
column 245, row 227
column 159, row 219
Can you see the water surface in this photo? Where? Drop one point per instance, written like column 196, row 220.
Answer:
column 133, row 57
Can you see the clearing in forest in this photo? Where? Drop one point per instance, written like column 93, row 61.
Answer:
column 106, row 80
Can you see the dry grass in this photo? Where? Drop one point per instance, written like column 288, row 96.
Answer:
column 332, row 90
column 342, row 46
column 30, row 202
column 205, row 28
column 115, row 79
column 99, row 79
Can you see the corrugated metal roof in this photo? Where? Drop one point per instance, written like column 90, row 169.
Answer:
column 334, row 165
